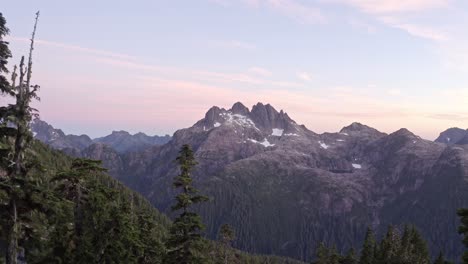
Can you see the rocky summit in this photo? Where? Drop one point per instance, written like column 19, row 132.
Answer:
column 285, row 188
column 454, row 136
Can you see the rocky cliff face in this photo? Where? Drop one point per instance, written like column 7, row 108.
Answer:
column 57, row 139
column 285, row 188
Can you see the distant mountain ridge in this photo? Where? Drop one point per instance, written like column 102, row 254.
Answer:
column 285, row 188
column 121, row 141
column 454, row 136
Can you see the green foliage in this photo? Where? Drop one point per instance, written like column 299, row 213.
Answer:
column 186, row 244
column 5, row 54
column 350, row 258
column 463, row 229
column 368, row 249
column 225, row 237
column 393, row 249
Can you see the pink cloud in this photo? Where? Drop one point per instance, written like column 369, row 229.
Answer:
column 392, row 6
column 74, row 48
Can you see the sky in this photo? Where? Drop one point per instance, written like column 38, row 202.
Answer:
column 157, row 66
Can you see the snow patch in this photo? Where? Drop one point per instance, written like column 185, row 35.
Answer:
column 448, row 139
column 277, row 132
column 323, row 145
column 265, row 142
column 217, row 124
column 34, row 134
column 343, row 133
column 291, row 134
column 340, row 140
column 238, row 119
column 54, row 135
column 357, row 166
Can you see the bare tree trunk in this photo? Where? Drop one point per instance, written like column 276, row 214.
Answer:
column 23, row 98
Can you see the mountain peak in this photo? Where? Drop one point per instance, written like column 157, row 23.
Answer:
column 264, row 115
column 403, row 132
column 452, row 135
column 355, row 127
column 239, row 108
column 120, row 133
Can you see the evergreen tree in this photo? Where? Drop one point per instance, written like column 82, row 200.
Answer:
column 226, row 235
column 463, row 229
column 350, row 258
column 389, row 247
column 322, row 254
column 334, row 256
column 18, row 186
column 418, row 249
column 406, row 248
column 368, row 249
column 186, row 244
column 5, row 54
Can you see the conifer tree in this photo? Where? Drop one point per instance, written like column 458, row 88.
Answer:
column 463, row 229
column 350, row 258
column 419, row 251
column 368, row 249
column 334, row 256
column 225, row 236
column 71, row 186
column 186, row 244
column 322, row 254
column 15, row 119
column 389, row 247
column 5, row 54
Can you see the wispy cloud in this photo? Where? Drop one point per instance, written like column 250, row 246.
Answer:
column 416, row 30
column 246, row 78
column 395, row 6
column 396, row 13
column 297, row 11
column 71, row 47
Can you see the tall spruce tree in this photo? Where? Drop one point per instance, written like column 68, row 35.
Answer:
column 463, row 229
column 186, row 244
column 226, row 235
column 15, row 120
column 368, row 249
column 389, row 247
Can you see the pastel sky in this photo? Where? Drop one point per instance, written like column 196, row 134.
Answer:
column 157, row 66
